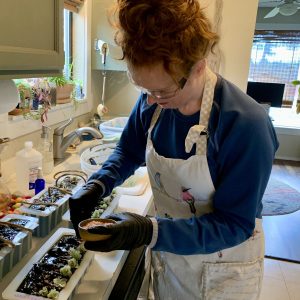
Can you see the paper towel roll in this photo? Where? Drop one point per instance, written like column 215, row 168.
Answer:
column 9, row 96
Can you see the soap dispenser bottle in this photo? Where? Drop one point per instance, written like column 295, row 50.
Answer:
column 45, row 147
column 40, row 182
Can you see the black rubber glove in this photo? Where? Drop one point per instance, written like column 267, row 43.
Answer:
column 131, row 231
column 83, row 203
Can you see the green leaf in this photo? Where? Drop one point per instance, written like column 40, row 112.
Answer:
column 296, row 82
column 58, row 80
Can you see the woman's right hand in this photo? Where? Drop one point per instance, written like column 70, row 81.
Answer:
column 83, row 203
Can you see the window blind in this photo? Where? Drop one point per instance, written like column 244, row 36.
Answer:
column 73, row 5
column 274, row 36
column 275, row 57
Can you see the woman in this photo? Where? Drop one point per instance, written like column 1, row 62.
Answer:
column 208, row 148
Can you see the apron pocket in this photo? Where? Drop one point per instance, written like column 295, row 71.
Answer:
column 232, row 281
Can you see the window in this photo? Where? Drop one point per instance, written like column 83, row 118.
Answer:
column 67, row 41
column 37, row 95
column 275, row 57
column 77, row 52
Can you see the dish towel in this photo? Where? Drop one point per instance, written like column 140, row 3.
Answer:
column 136, row 184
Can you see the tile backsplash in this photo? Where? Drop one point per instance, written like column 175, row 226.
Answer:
column 17, row 144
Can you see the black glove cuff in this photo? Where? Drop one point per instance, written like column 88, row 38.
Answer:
column 99, row 186
column 149, row 231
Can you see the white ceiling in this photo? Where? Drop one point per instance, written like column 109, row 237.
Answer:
column 272, row 3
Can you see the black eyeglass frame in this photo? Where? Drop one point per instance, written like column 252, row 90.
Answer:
column 157, row 95
column 172, row 94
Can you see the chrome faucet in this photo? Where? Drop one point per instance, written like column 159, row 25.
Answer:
column 61, row 143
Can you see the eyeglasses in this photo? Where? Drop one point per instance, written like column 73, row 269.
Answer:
column 165, row 94
column 160, row 95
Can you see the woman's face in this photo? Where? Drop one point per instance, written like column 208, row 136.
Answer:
column 161, row 88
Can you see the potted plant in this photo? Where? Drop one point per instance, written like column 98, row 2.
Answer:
column 25, row 95
column 64, row 86
column 297, row 82
column 41, row 100
column 35, row 99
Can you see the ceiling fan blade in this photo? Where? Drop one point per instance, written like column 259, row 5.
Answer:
column 288, row 9
column 272, row 13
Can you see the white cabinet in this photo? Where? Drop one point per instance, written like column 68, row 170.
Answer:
column 102, row 30
column 31, row 38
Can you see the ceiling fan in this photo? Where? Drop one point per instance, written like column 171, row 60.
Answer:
column 285, row 8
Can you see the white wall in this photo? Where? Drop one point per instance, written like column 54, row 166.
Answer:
column 237, row 30
column 120, row 95
column 289, row 145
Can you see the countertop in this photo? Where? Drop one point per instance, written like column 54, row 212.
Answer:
column 285, row 120
column 101, row 276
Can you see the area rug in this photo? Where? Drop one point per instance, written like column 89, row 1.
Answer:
column 280, row 199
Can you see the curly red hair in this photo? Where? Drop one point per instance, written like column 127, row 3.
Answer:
column 175, row 33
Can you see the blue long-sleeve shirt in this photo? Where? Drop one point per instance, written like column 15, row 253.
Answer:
column 241, row 148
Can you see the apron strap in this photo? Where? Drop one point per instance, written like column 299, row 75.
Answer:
column 152, row 124
column 198, row 134
column 155, row 117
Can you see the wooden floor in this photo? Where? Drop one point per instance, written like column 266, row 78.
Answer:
column 288, row 172
column 282, row 233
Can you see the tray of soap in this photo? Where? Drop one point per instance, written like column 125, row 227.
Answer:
column 54, row 271
column 48, row 206
column 22, row 220
column 51, row 203
column 15, row 243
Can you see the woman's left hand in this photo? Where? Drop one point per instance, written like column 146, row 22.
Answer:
column 130, row 231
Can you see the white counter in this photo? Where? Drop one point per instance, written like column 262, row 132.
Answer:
column 101, row 276
column 287, row 127
column 285, row 120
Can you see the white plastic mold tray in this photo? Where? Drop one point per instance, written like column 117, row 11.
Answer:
column 48, row 216
column 26, row 221
column 11, row 256
column 68, row 291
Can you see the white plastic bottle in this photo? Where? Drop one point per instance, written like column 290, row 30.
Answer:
column 28, row 161
column 46, row 149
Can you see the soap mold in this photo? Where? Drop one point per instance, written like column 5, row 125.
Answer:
column 31, row 222
column 50, row 216
column 68, row 291
column 11, row 256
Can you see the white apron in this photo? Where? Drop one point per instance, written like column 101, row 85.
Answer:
column 183, row 189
